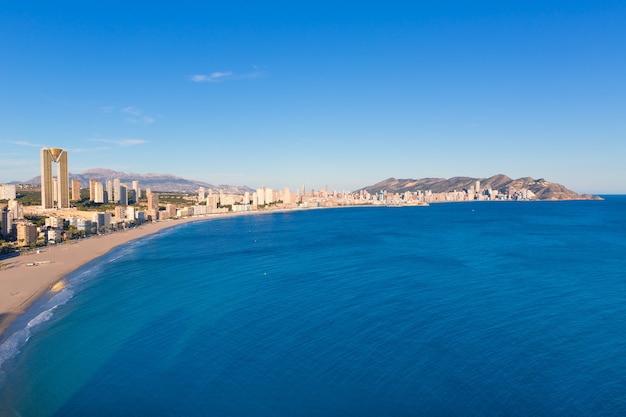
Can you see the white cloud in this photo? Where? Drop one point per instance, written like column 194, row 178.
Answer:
column 137, row 116
column 226, row 75
column 132, row 110
column 26, row 143
column 143, row 120
column 211, row 78
column 87, row 150
column 121, row 142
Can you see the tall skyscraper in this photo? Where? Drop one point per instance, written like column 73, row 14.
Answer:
column 48, row 157
column 98, row 193
column 117, row 193
column 75, row 190
column 92, row 189
column 109, row 190
column 286, row 196
column 122, row 196
column 7, row 222
column 153, row 200
column 137, row 190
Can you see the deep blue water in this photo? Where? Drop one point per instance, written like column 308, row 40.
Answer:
column 467, row 309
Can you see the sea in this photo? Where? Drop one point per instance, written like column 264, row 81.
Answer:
column 456, row 309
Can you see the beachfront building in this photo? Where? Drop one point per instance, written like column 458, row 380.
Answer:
column 286, row 196
column 102, row 220
column 53, row 235
column 82, row 225
column 131, row 213
column 7, row 222
column 212, row 201
column 197, row 210
column 50, row 156
column 26, row 234
column 171, row 209
column 120, row 213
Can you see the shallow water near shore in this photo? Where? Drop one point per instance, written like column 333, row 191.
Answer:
column 454, row 309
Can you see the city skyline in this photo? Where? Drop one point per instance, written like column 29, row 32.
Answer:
column 319, row 94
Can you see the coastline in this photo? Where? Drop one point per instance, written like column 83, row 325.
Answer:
column 22, row 284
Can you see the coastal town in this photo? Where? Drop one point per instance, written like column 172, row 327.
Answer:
column 60, row 210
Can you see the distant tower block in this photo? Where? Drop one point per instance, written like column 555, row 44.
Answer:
column 48, row 191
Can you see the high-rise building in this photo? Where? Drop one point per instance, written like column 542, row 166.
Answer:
column 98, row 192
column 153, row 200
column 75, row 190
column 211, row 201
column 17, row 209
column 26, row 234
column 102, row 220
column 286, row 196
column 109, row 190
column 7, row 222
column 131, row 213
column 117, row 192
column 48, row 157
column 92, row 190
column 137, row 190
column 122, row 196
column 7, row 192
column 260, row 197
column 201, row 194
column 120, row 213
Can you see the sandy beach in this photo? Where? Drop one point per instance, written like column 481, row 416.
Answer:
column 25, row 278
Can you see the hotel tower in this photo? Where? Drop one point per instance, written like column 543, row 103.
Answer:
column 48, row 183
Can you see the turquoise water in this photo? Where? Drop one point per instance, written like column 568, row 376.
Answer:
column 507, row 309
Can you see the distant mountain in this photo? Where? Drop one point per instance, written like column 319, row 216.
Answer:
column 543, row 190
column 156, row 182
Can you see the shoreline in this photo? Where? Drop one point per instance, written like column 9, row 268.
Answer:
column 26, row 278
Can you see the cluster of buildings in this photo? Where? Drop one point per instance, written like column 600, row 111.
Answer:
column 62, row 222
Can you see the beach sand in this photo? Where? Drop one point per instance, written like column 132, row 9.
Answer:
column 21, row 284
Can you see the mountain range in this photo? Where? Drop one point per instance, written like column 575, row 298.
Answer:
column 156, row 182
column 543, row 190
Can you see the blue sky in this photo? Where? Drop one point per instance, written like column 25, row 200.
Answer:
column 319, row 93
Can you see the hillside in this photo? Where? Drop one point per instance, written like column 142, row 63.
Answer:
column 157, row 182
column 543, row 190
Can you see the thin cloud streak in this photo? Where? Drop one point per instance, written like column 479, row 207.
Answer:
column 138, row 116
column 26, row 143
column 211, row 78
column 121, row 142
column 134, row 111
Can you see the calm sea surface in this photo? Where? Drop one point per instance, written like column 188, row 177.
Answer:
column 467, row 309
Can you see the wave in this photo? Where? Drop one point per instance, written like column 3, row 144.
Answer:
column 43, row 310
column 13, row 344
